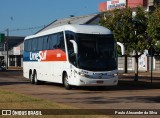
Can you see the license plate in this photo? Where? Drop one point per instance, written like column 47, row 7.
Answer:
column 99, row 82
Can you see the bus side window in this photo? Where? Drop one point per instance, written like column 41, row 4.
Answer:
column 40, row 43
column 26, row 45
column 30, row 45
column 34, row 44
column 69, row 44
column 53, row 41
column 60, row 41
column 45, row 42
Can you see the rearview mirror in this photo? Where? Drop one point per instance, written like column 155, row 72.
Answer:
column 74, row 46
column 122, row 48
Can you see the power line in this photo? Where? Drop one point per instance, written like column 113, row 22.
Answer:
column 29, row 28
column 23, row 29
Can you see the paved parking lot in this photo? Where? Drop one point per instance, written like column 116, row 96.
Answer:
column 127, row 95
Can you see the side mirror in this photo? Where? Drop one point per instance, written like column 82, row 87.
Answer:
column 122, row 48
column 74, row 46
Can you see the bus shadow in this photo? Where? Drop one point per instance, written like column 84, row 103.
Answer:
column 127, row 99
column 12, row 83
column 122, row 86
column 128, row 83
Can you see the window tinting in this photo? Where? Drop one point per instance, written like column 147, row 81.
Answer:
column 40, row 43
column 53, row 41
column 34, row 44
column 30, row 45
column 60, row 43
column 48, row 42
column 26, row 45
column 45, row 43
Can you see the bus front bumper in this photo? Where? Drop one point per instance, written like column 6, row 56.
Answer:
column 83, row 81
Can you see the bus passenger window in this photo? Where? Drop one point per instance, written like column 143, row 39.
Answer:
column 53, row 41
column 34, row 44
column 30, row 45
column 40, row 43
column 26, row 45
column 45, row 43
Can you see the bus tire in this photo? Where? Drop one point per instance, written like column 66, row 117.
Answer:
column 36, row 81
column 31, row 78
column 66, row 84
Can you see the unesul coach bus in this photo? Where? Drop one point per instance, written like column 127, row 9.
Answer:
column 74, row 55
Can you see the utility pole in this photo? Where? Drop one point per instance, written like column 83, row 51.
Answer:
column 7, row 38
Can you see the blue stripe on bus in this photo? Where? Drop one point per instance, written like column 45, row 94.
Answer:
column 28, row 56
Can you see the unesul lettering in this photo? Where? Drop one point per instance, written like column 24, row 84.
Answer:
column 38, row 56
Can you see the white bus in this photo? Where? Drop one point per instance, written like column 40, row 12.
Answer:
column 73, row 55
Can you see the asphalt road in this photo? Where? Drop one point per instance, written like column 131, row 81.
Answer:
column 127, row 95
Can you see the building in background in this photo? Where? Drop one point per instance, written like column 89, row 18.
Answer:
column 135, row 3
column 15, row 51
column 86, row 19
column 113, row 4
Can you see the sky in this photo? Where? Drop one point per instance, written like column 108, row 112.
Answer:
column 25, row 17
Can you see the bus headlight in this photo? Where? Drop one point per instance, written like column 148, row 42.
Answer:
column 81, row 74
column 84, row 75
column 116, row 74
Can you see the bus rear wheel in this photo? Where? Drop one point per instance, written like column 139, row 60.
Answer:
column 66, row 84
column 36, row 81
column 31, row 78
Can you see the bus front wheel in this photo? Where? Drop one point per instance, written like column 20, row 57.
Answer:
column 66, row 84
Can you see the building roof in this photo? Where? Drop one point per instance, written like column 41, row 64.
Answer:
column 71, row 20
column 13, row 41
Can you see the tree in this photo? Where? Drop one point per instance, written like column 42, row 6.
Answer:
column 153, row 29
column 128, row 30
column 120, row 22
column 139, row 41
column 156, row 2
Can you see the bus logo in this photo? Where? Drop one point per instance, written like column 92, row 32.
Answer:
column 42, row 55
column 38, row 56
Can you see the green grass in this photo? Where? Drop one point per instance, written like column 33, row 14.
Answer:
column 10, row 100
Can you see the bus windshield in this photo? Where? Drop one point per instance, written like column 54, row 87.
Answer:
column 96, row 52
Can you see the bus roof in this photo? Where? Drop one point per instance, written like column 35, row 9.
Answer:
column 86, row 29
